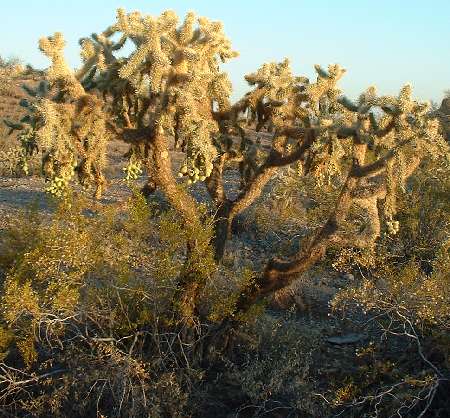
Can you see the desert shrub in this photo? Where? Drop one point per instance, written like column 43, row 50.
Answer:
column 89, row 323
column 13, row 162
column 275, row 373
column 10, row 161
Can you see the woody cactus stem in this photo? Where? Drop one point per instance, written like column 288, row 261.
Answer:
column 278, row 274
column 228, row 210
column 181, row 201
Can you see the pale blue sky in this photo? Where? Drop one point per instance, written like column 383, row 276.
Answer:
column 385, row 43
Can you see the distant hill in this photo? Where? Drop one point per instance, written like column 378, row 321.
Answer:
column 444, row 116
column 11, row 92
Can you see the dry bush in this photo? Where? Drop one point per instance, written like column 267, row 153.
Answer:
column 89, row 325
column 275, row 374
column 13, row 162
column 404, row 297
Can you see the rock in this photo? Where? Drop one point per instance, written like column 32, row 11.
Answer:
column 346, row 339
column 349, row 277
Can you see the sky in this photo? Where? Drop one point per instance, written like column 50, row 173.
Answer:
column 382, row 43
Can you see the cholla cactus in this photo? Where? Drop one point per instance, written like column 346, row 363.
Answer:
column 68, row 129
column 57, row 144
column 275, row 96
column 171, row 87
column 89, row 130
column 280, row 101
column 73, row 133
column 59, row 74
column 406, row 128
column 325, row 86
column 171, row 82
column 329, row 135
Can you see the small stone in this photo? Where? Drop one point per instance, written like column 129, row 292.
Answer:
column 348, row 276
column 346, row 339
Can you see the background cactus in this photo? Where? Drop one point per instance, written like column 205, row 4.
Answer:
column 64, row 124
